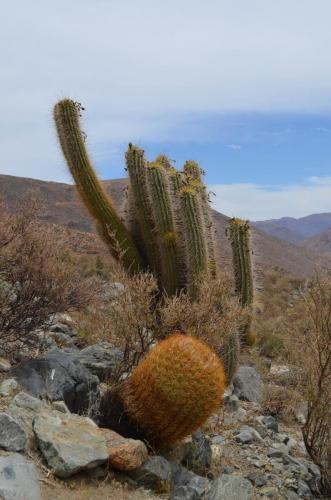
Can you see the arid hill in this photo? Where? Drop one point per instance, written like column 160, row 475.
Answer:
column 296, row 230
column 320, row 243
column 62, row 207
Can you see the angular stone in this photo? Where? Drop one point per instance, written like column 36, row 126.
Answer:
column 188, row 485
column 247, row 435
column 18, row 478
column 155, row 474
column 24, row 408
column 257, row 478
column 8, row 387
column 198, row 457
column 101, row 359
column 248, row 385
column 124, row 454
column 231, row 488
column 69, row 443
column 5, row 365
column 59, row 376
column 12, row 435
column 60, row 406
column 270, row 423
column 231, row 403
column 61, row 328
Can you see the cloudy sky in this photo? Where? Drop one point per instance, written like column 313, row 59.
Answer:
column 242, row 86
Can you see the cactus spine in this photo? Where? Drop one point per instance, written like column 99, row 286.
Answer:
column 110, row 226
column 173, row 391
column 241, row 255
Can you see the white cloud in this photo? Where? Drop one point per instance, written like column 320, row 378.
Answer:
column 138, row 67
column 234, row 147
column 255, row 202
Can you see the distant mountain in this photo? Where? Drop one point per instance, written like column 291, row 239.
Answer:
column 320, row 243
column 62, row 207
column 296, row 230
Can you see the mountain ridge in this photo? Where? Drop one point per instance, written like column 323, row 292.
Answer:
column 63, row 207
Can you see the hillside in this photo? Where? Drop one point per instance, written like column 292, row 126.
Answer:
column 61, row 206
column 296, row 230
column 320, row 243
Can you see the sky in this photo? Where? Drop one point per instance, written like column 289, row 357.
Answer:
column 242, row 86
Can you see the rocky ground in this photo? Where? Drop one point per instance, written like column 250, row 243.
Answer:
column 51, row 448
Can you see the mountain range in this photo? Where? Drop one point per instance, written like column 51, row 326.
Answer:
column 288, row 244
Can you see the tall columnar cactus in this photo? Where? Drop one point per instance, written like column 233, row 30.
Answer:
column 171, row 393
column 229, row 353
column 99, row 204
column 168, row 227
column 239, row 233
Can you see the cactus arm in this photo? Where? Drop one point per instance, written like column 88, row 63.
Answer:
column 242, row 267
column 136, row 167
column 98, row 203
column 194, row 237
column 193, row 174
column 158, row 184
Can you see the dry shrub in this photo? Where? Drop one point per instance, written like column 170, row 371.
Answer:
column 125, row 314
column 312, row 347
column 214, row 316
column 136, row 317
column 281, row 402
column 36, row 281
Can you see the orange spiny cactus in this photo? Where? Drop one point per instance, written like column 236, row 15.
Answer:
column 174, row 389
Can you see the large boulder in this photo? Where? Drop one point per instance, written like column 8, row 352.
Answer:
column 18, row 479
column 101, row 359
column 248, row 385
column 69, row 443
column 59, row 376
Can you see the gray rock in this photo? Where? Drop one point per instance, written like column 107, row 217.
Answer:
column 155, row 474
column 62, row 328
column 303, row 489
column 101, row 359
column 199, row 453
column 269, row 492
column 59, row 376
column 23, row 408
column 188, row 485
column 231, row 488
column 247, row 435
column 18, row 479
column 8, row 387
column 231, row 402
column 60, row 406
column 257, row 478
column 5, row 365
column 69, row 443
column 270, row 423
column 248, row 385
column 12, row 435
column 291, row 495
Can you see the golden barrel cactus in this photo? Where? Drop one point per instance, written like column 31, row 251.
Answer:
column 173, row 391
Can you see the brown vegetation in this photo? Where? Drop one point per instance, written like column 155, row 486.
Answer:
column 36, row 277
